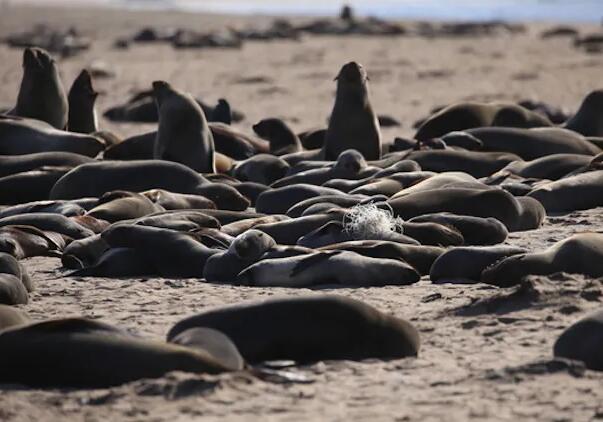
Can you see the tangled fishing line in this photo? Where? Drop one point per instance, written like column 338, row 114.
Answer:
column 369, row 222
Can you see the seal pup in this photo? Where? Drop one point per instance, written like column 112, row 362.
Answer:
column 183, row 134
column 583, row 341
column 326, row 327
column 332, row 267
column 281, row 137
column 28, row 136
column 82, row 113
column 578, row 254
column 465, row 264
column 587, row 120
column 99, row 355
column 246, row 249
column 41, row 94
column 353, row 123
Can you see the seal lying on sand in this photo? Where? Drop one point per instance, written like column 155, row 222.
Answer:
column 583, row 341
column 99, row 355
column 14, row 281
column 580, row 192
column 326, row 327
column 353, row 123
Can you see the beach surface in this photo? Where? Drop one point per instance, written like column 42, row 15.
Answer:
column 478, row 361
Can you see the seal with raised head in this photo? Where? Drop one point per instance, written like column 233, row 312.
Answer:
column 326, row 327
column 587, row 120
column 183, row 134
column 41, row 94
column 353, row 123
column 82, row 96
column 281, row 137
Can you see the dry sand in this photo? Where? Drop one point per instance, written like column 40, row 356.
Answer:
column 483, row 364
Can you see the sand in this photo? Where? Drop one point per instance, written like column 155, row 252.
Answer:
column 477, row 362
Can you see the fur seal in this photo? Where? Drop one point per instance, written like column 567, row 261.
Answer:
column 13, row 164
column 282, row 139
column 84, row 252
column 28, row 136
column 177, row 201
column 465, row 264
column 326, row 327
column 179, row 220
column 288, row 232
column 551, row 167
column 261, row 168
column 278, row 201
column 115, row 263
column 183, row 135
column 475, row 163
column 475, row 230
column 94, row 350
column 353, row 123
column 582, row 341
column 340, row 200
column 462, row 116
column 172, row 253
column 14, row 281
column 587, row 120
column 121, row 205
column 246, row 249
column 580, row 192
column 222, row 112
column 338, row 267
column 41, row 94
column 579, row 254
column 11, row 316
column 27, row 241
column 237, row 227
column 437, row 181
column 82, row 96
column 534, row 143
column 48, row 222
column 66, row 208
column 29, row 186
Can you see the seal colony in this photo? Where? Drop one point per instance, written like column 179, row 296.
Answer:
column 195, row 197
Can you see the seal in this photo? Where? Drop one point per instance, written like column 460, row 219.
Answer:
column 84, row 252
column 468, row 115
column 261, row 168
column 82, row 96
column 281, row 137
column 183, row 134
column 475, row 230
column 11, row 316
column 121, row 205
column 27, row 241
column 326, row 327
column 582, row 341
column 41, row 94
column 29, row 186
column 12, row 164
column 178, row 201
column 172, row 253
column 93, row 347
column 437, row 181
column 279, row 200
column 14, row 281
column 179, row 220
column 246, row 249
column 339, row 267
column 48, row 222
column 116, row 263
column 587, row 120
column 578, row 254
column 288, row 232
column 28, row 136
column 551, row 167
column 213, row 342
column 241, row 226
column 465, row 264
column 353, row 123
column 580, row 192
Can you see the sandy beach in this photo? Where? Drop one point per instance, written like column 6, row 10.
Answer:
column 478, row 360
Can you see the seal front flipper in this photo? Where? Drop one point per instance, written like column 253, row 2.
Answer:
column 310, row 261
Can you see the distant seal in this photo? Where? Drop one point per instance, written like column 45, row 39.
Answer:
column 93, row 348
column 353, row 123
column 339, row 267
column 41, row 94
column 475, row 230
column 172, row 254
column 587, row 120
column 11, row 316
column 578, row 254
column 533, row 143
column 420, row 257
column 261, row 168
column 222, row 112
column 82, row 113
column 468, row 115
column 580, row 192
column 475, row 163
column 122, row 205
column 235, row 143
column 246, row 249
column 183, row 135
column 175, row 201
column 465, row 264
column 582, row 341
column 14, row 282
column 327, row 327
column 27, row 136
column 282, row 139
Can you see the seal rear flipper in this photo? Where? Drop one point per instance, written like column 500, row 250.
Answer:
column 311, row 260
